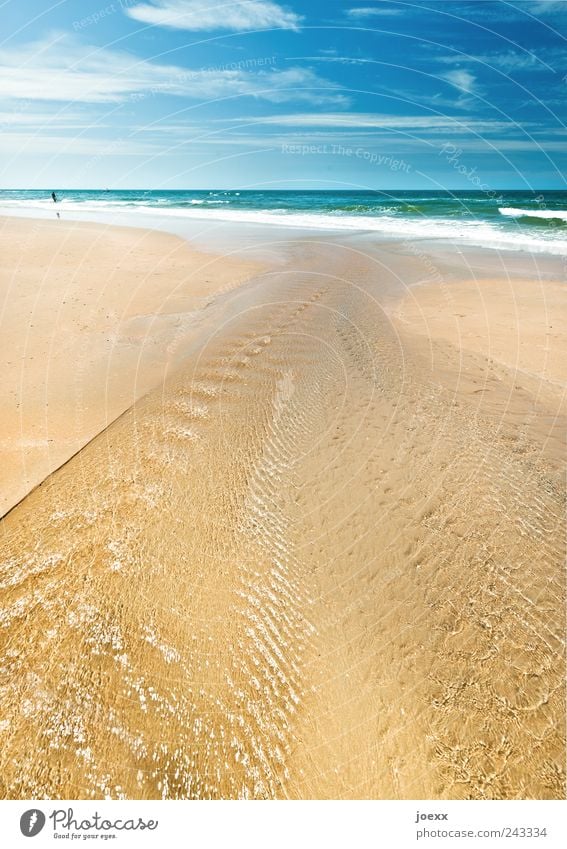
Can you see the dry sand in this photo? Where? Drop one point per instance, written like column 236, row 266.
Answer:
column 520, row 323
column 91, row 317
column 318, row 562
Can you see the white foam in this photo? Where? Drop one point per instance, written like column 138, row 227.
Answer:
column 533, row 213
column 475, row 233
column 480, row 234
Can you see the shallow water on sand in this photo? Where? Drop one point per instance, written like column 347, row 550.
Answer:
column 304, row 567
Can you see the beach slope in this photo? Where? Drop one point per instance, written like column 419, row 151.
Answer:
column 91, row 318
column 318, row 562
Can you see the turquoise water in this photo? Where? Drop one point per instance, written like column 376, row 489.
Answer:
column 514, row 220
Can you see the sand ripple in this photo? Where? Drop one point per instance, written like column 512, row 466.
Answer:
column 305, row 567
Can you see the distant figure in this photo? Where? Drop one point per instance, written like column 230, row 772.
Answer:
column 54, row 196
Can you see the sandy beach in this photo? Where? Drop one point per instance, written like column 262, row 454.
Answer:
column 321, row 558
column 91, row 318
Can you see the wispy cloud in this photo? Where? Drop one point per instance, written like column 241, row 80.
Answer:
column 59, row 68
column 510, row 60
column 40, row 118
column 481, row 145
column 461, row 79
column 547, row 7
column 62, row 69
column 235, row 15
column 373, row 11
column 359, row 121
column 145, row 144
column 508, row 10
column 343, row 60
column 45, row 143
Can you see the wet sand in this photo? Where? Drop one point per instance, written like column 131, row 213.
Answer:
column 323, row 560
column 91, row 318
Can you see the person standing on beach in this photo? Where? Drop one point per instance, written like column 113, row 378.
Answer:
column 54, row 196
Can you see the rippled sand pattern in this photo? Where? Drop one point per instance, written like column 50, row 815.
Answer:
column 305, row 567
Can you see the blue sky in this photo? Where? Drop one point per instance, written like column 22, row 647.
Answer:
column 262, row 94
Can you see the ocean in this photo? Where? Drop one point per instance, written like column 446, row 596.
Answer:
column 503, row 220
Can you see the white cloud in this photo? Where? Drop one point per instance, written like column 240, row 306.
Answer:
column 236, row 15
column 373, row 11
column 145, row 144
column 59, row 68
column 512, row 60
column 62, row 69
column 299, row 84
column 25, row 143
column 62, row 119
column 513, row 10
column 344, row 60
column 525, row 144
column 360, row 121
column 461, row 79
column 547, row 7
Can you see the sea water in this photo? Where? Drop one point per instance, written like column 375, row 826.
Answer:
column 504, row 220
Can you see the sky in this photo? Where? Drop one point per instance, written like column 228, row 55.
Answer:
column 258, row 94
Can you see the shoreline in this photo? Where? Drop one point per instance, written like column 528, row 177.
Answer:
column 205, row 230
column 344, row 531
column 501, row 233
